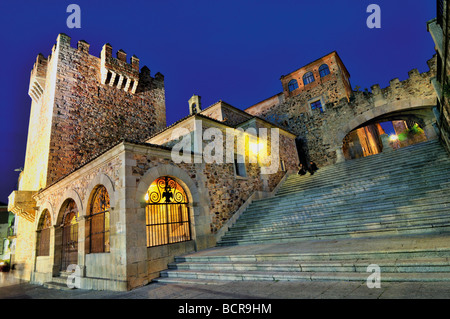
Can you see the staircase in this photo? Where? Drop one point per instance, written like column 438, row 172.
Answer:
column 391, row 209
column 60, row 282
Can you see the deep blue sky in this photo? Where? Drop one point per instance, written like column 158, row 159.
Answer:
column 230, row 50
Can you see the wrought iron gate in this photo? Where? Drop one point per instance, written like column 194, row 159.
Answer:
column 69, row 236
column 167, row 213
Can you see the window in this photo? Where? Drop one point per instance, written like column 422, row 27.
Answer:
column 166, row 213
column 239, row 166
column 97, row 240
column 43, row 234
column 317, row 105
column 292, row 85
column 308, row 78
column 324, row 70
column 282, row 166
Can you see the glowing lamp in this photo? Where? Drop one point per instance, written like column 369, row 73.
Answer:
column 393, row 137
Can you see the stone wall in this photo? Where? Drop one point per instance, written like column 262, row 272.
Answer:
column 88, row 117
column 324, row 132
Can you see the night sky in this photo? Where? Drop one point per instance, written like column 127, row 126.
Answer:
column 233, row 51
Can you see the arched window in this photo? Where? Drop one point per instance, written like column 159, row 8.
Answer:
column 43, row 234
column 167, row 213
column 324, row 70
column 292, row 85
column 308, row 78
column 97, row 240
column 69, row 227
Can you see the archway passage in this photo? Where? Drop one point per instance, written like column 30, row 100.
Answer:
column 366, row 140
column 69, row 254
column 167, row 213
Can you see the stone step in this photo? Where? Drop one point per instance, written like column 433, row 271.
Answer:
column 416, row 179
column 300, row 276
column 335, row 214
column 329, row 255
column 359, row 265
column 337, row 177
column 438, row 228
column 310, row 228
column 59, row 282
column 415, row 182
column 389, row 199
column 343, row 221
column 417, row 151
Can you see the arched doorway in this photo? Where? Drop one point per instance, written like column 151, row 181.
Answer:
column 69, row 227
column 167, row 213
column 403, row 129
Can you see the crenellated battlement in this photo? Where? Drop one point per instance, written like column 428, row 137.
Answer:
column 117, row 72
column 114, row 71
column 37, row 78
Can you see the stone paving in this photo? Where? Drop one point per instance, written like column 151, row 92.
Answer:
column 11, row 288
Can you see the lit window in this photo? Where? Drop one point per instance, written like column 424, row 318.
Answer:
column 239, row 166
column 308, row 78
column 293, row 85
column 97, row 240
column 324, row 70
column 166, row 213
column 43, row 234
column 317, row 105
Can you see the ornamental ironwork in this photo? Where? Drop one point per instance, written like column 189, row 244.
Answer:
column 167, row 213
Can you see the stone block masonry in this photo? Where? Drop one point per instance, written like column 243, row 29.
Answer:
column 94, row 103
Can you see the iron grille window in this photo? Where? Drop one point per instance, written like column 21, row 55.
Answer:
column 97, row 240
column 43, row 234
column 324, row 70
column 292, row 85
column 167, row 213
column 308, row 78
column 317, row 105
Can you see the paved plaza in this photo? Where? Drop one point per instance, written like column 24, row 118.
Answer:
column 11, row 288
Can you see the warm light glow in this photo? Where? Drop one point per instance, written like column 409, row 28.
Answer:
column 393, row 137
column 255, row 148
column 146, row 197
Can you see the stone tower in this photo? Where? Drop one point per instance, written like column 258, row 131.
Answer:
column 82, row 105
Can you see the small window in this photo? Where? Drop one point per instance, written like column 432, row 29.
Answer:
column 317, row 105
column 308, row 78
column 324, row 70
column 293, row 85
column 239, row 167
column 282, row 166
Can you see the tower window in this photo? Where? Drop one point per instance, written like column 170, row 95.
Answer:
column 324, row 70
column 317, row 105
column 308, row 78
column 292, row 85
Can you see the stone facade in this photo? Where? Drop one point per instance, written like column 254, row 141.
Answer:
column 77, row 114
column 104, row 126
column 342, row 111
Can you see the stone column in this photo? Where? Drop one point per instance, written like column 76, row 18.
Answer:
column 57, row 247
column 430, row 130
column 81, row 220
column 340, row 155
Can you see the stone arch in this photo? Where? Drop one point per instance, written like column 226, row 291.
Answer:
column 167, row 170
column 103, row 180
column 69, row 194
column 392, row 107
column 195, row 197
column 45, row 206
